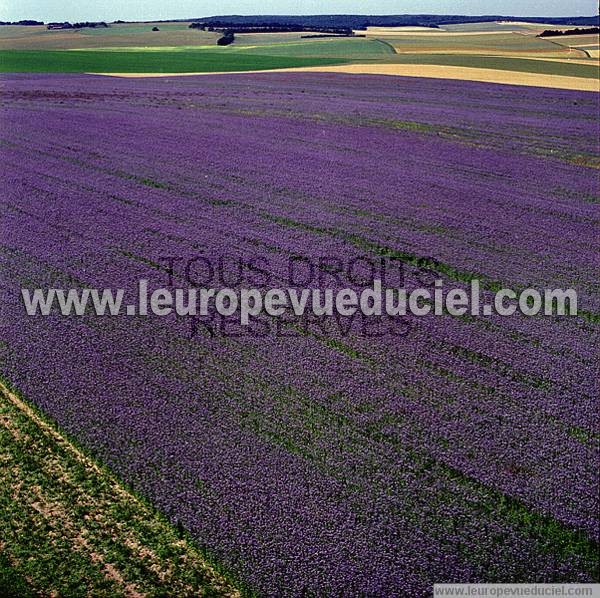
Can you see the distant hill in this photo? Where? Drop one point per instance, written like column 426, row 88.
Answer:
column 362, row 21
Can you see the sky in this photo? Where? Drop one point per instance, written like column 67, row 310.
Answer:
column 132, row 10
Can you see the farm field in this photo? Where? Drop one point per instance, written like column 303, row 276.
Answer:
column 488, row 42
column 588, row 44
column 473, row 53
column 117, row 35
column 150, row 61
column 281, row 56
column 50, row 491
column 503, row 26
column 585, row 69
column 318, row 461
column 578, row 40
column 345, row 48
column 458, row 73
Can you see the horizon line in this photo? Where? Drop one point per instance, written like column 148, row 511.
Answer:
column 349, row 14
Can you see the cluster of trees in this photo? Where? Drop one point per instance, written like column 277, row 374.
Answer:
column 26, row 22
column 88, row 24
column 578, row 31
column 227, row 38
column 68, row 25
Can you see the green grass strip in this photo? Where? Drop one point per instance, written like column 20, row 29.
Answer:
column 189, row 61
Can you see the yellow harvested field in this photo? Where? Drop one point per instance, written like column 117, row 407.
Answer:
column 420, row 70
column 465, row 74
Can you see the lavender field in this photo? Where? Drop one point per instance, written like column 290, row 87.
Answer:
column 455, row 450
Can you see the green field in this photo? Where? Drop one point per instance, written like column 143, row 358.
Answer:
column 546, row 67
column 577, row 40
column 349, row 48
column 140, row 61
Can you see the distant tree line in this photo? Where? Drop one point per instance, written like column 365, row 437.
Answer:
column 67, row 25
column 321, row 35
column 350, row 22
column 578, row 31
column 26, row 22
column 271, row 28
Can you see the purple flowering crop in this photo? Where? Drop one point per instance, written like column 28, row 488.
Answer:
column 466, row 450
